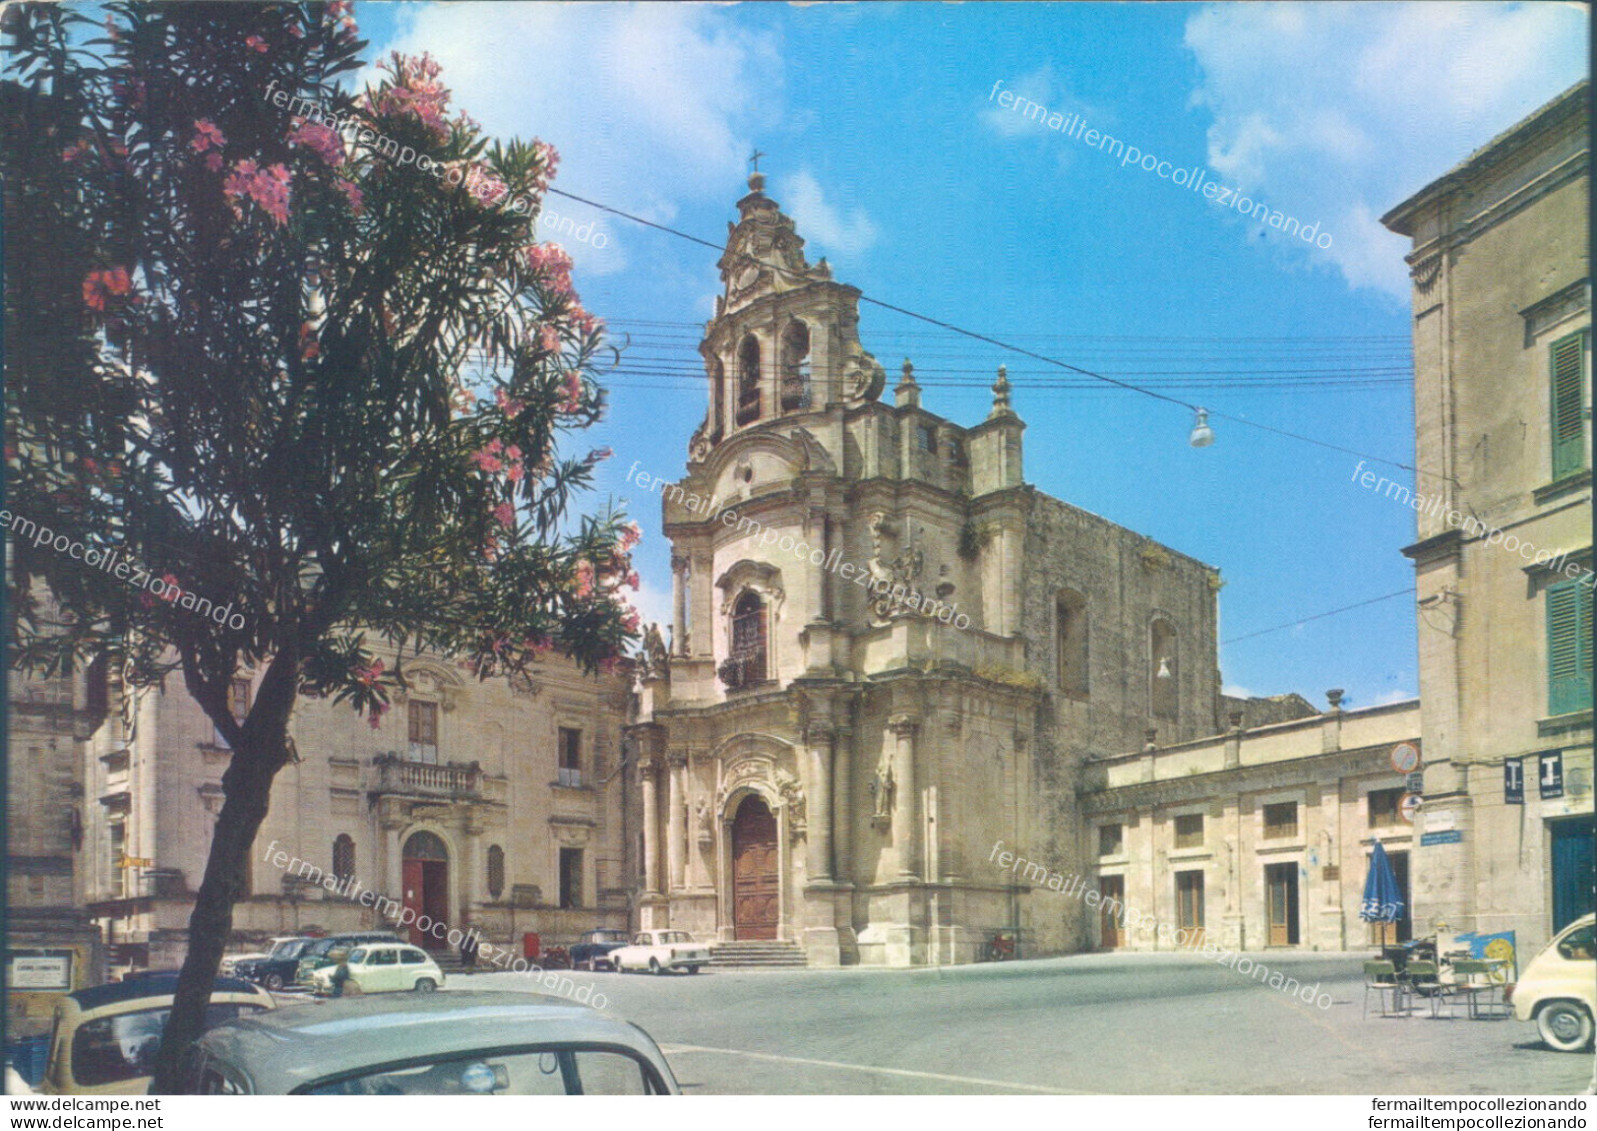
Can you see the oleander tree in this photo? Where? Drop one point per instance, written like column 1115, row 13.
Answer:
column 256, row 349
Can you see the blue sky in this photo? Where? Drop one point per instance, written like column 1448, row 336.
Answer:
column 886, row 148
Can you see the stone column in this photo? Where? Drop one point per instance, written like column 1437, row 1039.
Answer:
column 843, row 804
column 701, row 607
column 676, row 822
column 820, row 815
column 679, row 605
column 649, row 769
column 906, row 818
column 470, row 889
column 394, row 865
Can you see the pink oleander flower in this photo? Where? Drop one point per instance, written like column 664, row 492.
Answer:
column 631, row 535
column 173, row 590
column 632, row 581
column 357, row 205
column 599, row 455
column 584, row 579
column 487, row 188
column 632, row 621
column 487, row 460
column 206, row 136
column 549, row 338
column 98, row 286
column 586, row 322
column 375, row 719
column 268, row 187
column 327, row 144
column 572, row 394
column 213, row 162
column 371, row 673
column 610, row 665
column 506, row 514
column 414, row 91
column 256, row 43
column 510, row 407
column 551, row 262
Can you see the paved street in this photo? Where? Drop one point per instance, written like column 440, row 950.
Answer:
column 1112, row 1023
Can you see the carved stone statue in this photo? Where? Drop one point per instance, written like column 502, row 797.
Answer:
column 656, row 656
column 705, row 822
column 882, row 789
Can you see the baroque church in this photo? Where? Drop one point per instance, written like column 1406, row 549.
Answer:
column 826, row 756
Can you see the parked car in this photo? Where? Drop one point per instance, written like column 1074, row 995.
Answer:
column 659, row 951
column 383, row 968
column 592, row 951
column 320, row 952
column 103, row 1039
column 276, row 968
column 230, row 961
column 463, row 1043
column 1558, row 990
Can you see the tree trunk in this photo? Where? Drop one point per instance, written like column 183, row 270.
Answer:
column 260, row 751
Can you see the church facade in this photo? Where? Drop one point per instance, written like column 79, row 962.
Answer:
column 889, row 652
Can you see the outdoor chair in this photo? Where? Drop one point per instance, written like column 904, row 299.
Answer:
column 1381, row 979
column 1478, row 983
column 1424, row 979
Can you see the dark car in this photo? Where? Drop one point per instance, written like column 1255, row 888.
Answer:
column 592, row 951
column 275, row 969
column 320, row 951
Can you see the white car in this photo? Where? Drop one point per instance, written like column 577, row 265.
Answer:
column 376, row 968
column 659, row 951
column 1558, row 990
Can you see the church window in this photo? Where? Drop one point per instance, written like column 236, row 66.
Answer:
column 748, row 381
column 746, row 665
column 1163, row 682
column 344, row 856
column 796, row 367
column 1071, row 643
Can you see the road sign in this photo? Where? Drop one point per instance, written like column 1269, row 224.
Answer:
column 1409, row 806
column 1405, row 758
column 1415, row 783
column 1445, row 836
column 1513, row 781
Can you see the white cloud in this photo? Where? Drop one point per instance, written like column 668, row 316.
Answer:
column 820, row 222
column 1236, row 692
column 1394, row 696
column 1337, row 112
column 648, row 104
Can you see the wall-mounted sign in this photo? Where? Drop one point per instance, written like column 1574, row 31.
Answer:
column 1414, row 783
column 1409, row 806
column 1552, row 776
column 1513, row 781
column 1405, row 758
column 1443, row 836
column 137, row 862
column 48, row 971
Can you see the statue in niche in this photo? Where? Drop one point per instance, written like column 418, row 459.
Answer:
column 881, row 788
column 656, row 656
column 706, row 823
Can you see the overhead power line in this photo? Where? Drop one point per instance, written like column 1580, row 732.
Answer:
column 1011, row 347
column 1318, row 616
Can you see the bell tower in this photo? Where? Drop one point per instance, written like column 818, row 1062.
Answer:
column 784, row 341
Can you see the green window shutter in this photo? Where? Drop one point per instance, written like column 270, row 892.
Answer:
column 1568, row 648
column 1567, row 357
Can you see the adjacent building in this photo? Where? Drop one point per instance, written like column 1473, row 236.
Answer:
column 1503, row 553
column 493, row 803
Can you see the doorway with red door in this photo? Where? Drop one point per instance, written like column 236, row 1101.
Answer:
column 426, row 879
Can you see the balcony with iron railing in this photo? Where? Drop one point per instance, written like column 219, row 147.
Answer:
column 742, row 669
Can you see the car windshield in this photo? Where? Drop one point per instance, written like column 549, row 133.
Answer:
column 289, row 948
column 567, row 1071
column 1578, row 945
column 319, row 948
column 675, row 937
column 109, row 1050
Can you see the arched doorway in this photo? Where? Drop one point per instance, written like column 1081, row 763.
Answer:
column 756, row 888
column 426, row 880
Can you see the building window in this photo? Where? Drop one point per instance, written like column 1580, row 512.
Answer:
column 423, row 731
column 1567, row 365
column 926, row 438
column 1163, row 673
column 238, row 705
column 1569, row 672
column 1111, row 840
column 570, row 877
column 496, row 871
column 748, row 381
column 344, row 856
column 1384, row 806
column 1070, row 642
column 570, row 742
column 1281, row 820
column 746, row 665
column 97, row 687
column 118, row 851
column 796, row 367
column 1189, row 830
column 718, row 398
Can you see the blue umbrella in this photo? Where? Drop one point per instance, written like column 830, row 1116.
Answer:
column 1383, row 899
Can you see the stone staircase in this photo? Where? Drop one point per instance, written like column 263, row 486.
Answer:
column 762, row 954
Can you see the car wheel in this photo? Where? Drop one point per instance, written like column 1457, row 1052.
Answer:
column 425, row 985
column 654, row 966
column 274, row 981
column 1565, row 1025
column 693, row 969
